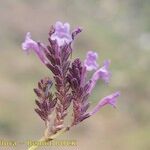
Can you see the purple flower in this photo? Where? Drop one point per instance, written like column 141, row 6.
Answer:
column 111, row 100
column 29, row 45
column 90, row 61
column 102, row 73
column 62, row 33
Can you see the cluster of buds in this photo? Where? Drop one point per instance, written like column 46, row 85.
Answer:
column 69, row 78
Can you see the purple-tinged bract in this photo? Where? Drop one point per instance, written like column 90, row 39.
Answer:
column 76, row 32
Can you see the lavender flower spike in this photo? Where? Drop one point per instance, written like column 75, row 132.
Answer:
column 62, row 33
column 111, row 100
column 29, row 45
column 69, row 77
column 90, row 61
column 102, row 73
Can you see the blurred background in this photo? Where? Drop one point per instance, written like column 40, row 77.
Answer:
column 116, row 29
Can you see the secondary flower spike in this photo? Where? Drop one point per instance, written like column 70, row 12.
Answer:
column 69, row 79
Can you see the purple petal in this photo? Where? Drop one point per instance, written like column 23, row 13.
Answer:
column 111, row 100
column 62, row 33
column 102, row 73
column 29, row 45
column 58, row 25
column 90, row 61
column 67, row 27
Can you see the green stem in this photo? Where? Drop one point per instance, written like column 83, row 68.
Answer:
column 52, row 137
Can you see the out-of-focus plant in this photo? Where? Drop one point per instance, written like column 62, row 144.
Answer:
column 70, row 81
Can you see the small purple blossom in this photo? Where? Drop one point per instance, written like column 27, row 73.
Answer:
column 103, row 73
column 111, row 100
column 90, row 61
column 30, row 44
column 62, row 33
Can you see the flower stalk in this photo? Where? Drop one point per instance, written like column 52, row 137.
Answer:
column 48, row 139
column 69, row 80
